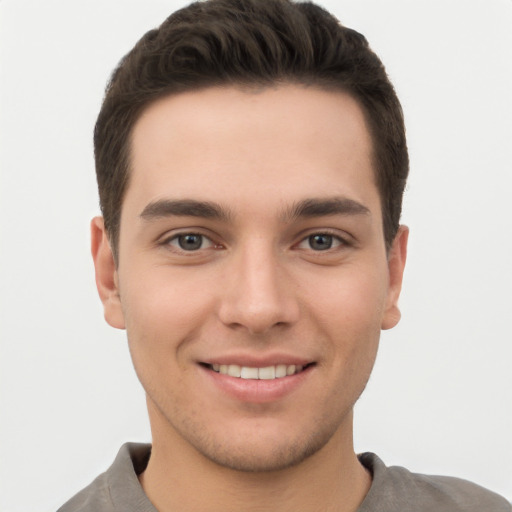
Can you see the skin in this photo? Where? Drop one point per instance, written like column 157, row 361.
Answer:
column 260, row 286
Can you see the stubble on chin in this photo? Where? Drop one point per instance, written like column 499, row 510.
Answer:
column 250, row 453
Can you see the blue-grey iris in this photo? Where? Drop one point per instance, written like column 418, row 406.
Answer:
column 190, row 242
column 320, row 242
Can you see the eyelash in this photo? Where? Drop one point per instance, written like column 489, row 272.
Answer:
column 336, row 242
column 176, row 238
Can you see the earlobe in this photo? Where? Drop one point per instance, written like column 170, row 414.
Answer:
column 106, row 274
column 396, row 265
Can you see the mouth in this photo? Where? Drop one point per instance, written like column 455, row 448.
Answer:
column 278, row 371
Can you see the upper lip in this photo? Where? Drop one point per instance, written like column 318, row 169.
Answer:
column 257, row 361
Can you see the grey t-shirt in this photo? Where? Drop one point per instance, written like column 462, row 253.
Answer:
column 393, row 489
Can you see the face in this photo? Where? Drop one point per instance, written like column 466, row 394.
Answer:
column 253, row 279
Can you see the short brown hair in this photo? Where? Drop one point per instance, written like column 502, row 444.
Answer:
column 249, row 43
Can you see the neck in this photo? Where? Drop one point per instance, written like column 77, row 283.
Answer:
column 180, row 478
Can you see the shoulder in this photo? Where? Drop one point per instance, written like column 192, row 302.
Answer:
column 396, row 488
column 118, row 488
column 94, row 497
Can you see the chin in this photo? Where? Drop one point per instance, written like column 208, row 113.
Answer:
column 253, row 459
column 258, row 452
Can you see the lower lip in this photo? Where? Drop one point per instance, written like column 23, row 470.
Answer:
column 257, row 390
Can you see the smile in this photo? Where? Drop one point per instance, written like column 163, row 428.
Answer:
column 247, row 380
column 278, row 371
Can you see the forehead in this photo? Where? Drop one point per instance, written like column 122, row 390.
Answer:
column 233, row 145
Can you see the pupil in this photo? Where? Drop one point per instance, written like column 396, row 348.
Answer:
column 190, row 242
column 320, row 242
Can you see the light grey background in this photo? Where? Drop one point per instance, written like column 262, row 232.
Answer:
column 440, row 398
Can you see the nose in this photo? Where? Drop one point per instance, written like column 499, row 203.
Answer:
column 258, row 294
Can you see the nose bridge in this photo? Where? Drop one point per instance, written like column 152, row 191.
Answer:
column 258, row 293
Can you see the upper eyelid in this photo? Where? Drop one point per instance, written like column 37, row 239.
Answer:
column 342, row 241
column 344, row 236
column 174, row 237
column 165, row 243
column 175, row 233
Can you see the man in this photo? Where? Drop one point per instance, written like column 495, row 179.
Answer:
column 251, row 161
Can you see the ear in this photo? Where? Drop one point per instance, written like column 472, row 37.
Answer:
column 106, row 274
column 396, row 264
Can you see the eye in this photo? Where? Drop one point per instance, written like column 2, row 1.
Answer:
column 321, row 242
column 190, row 242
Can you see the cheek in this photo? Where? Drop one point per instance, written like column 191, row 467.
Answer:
column 165, row 303
column 162, row 318
column 158, row 324
column 349, row 312
column 352, row 300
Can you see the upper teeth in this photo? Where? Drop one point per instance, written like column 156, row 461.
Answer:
column 267, row 373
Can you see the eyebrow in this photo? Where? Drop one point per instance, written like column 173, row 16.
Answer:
column 326, row 206
column 183, row 208
column 307, row 208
